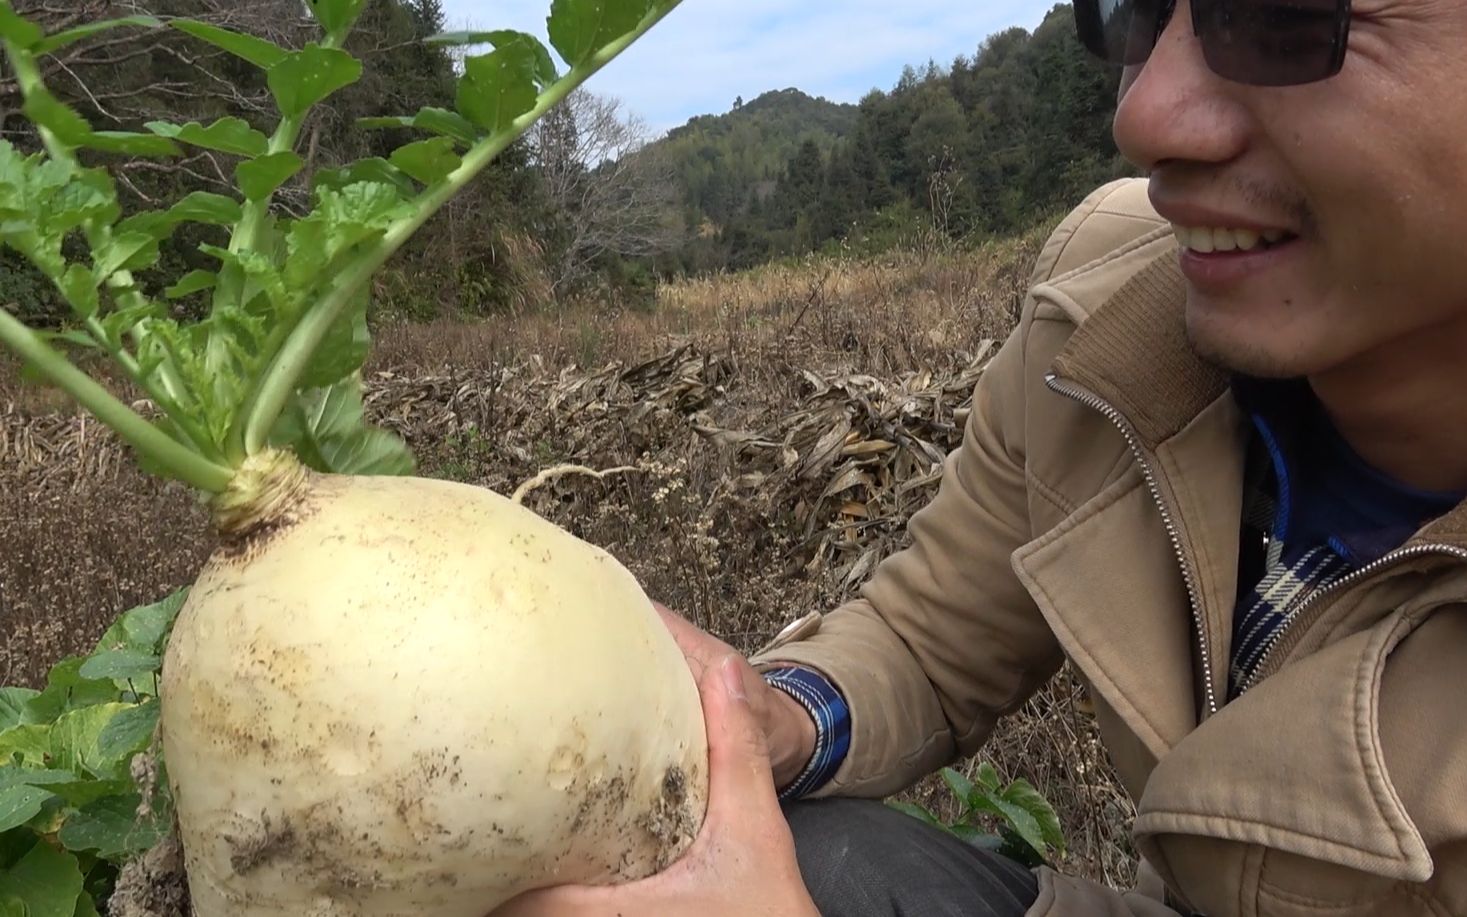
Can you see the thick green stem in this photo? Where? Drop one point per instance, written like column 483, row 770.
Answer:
column 246, row 235
column 179, row 460
column 279, row 381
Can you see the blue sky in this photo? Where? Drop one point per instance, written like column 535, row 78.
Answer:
column 707, row 52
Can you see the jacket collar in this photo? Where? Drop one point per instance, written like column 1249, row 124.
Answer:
column 1225, row 776
column 1133, row 353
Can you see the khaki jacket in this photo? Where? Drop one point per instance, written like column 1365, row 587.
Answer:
column 1093, row 514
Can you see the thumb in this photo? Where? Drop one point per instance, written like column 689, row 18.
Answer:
column 740, row 773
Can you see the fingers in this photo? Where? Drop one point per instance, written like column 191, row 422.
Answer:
column 740, row 774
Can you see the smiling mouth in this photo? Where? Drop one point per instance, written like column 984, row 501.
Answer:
column 1207, row 241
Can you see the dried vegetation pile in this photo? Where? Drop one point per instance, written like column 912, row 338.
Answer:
column 776, row 430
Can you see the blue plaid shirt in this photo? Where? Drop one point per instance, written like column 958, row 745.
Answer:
column 1313, row 512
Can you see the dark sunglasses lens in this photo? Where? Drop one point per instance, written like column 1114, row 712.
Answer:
column 1119, row 31
column 1273, row 42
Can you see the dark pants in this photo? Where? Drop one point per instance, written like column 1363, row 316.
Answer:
column 863, row 859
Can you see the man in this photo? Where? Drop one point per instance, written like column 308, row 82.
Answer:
column 1220, row 467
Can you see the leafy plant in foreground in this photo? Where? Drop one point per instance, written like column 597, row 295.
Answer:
column 1028, row 830
column 272, row 368
column 71, row 809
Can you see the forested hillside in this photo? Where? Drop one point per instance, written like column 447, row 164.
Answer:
column 590, row 204
column 986, row 145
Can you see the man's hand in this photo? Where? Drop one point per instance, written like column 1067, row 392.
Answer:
column 788, row 729
column 742, row 862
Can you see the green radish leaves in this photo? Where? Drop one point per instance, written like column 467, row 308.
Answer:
column 498, row 87
column 257, row 51
column 581, row 28
column 277, row 354
column 305, row 78
column 428, row 161
column 336, row 16
column 260, row 178
column 56, row 42
column 227, row 135
column 327, row 432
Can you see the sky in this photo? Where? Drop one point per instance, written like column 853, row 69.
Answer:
column 708, row 52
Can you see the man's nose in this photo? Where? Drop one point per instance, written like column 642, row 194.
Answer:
column 1174, row 108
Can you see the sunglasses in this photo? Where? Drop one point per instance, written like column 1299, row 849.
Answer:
column 1258, row 42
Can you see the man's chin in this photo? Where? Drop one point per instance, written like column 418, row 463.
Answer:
column 1242, row 354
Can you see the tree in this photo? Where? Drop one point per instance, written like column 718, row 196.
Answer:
column 612, row 196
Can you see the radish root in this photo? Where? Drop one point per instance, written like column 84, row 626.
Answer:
column 560, row 471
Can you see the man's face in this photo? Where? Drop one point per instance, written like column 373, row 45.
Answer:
column 1365, row 174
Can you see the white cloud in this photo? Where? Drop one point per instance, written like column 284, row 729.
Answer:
column 706, row 52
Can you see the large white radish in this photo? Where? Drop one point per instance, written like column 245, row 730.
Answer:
column 393, row 696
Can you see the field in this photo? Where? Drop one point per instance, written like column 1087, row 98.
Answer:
column 779, row 426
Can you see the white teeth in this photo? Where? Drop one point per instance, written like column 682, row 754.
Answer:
column 1207, row 240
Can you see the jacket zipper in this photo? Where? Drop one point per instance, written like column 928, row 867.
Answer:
column 1292, row 631
column 1148, row 473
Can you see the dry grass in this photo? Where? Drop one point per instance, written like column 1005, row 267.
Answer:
column 767, row 417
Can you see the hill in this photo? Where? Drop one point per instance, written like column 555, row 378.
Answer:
column 720, row 160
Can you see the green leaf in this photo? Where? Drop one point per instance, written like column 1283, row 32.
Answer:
column 429, row 161
column 127, row 251
column 144, row 627
column 47, row 880
column 344, row 349
column 76, row 741
column 976, row 836
column 126, row 143
column 20, row 804
column 961, row 786
column 12, row 702
column 51, row 113
column 257, row 51
column 498, row 87
column 12, row 776
column 439, row 121
column 11, row 906
column 66, row 689
column 336, row 16
column 85, row 791
column 191, row 283
column 580, row 28
column 19, row 30
column 111, row 828
column 31, row 744
column 919, row 813
column 987, row 777
column 355, row 215
column 260, row 178
column 545, row 72
column 227, row 135
column 1016, row 818
column 130, row 731
column 309, row 76
column 327, row 431
column 375, row 170
column 53, row 43
column 85, row 907
column 1023, row 794
column 80, row 289
column 121, row 665
column 198, row 207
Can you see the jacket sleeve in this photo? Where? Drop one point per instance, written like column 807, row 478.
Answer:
column 944, row 640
